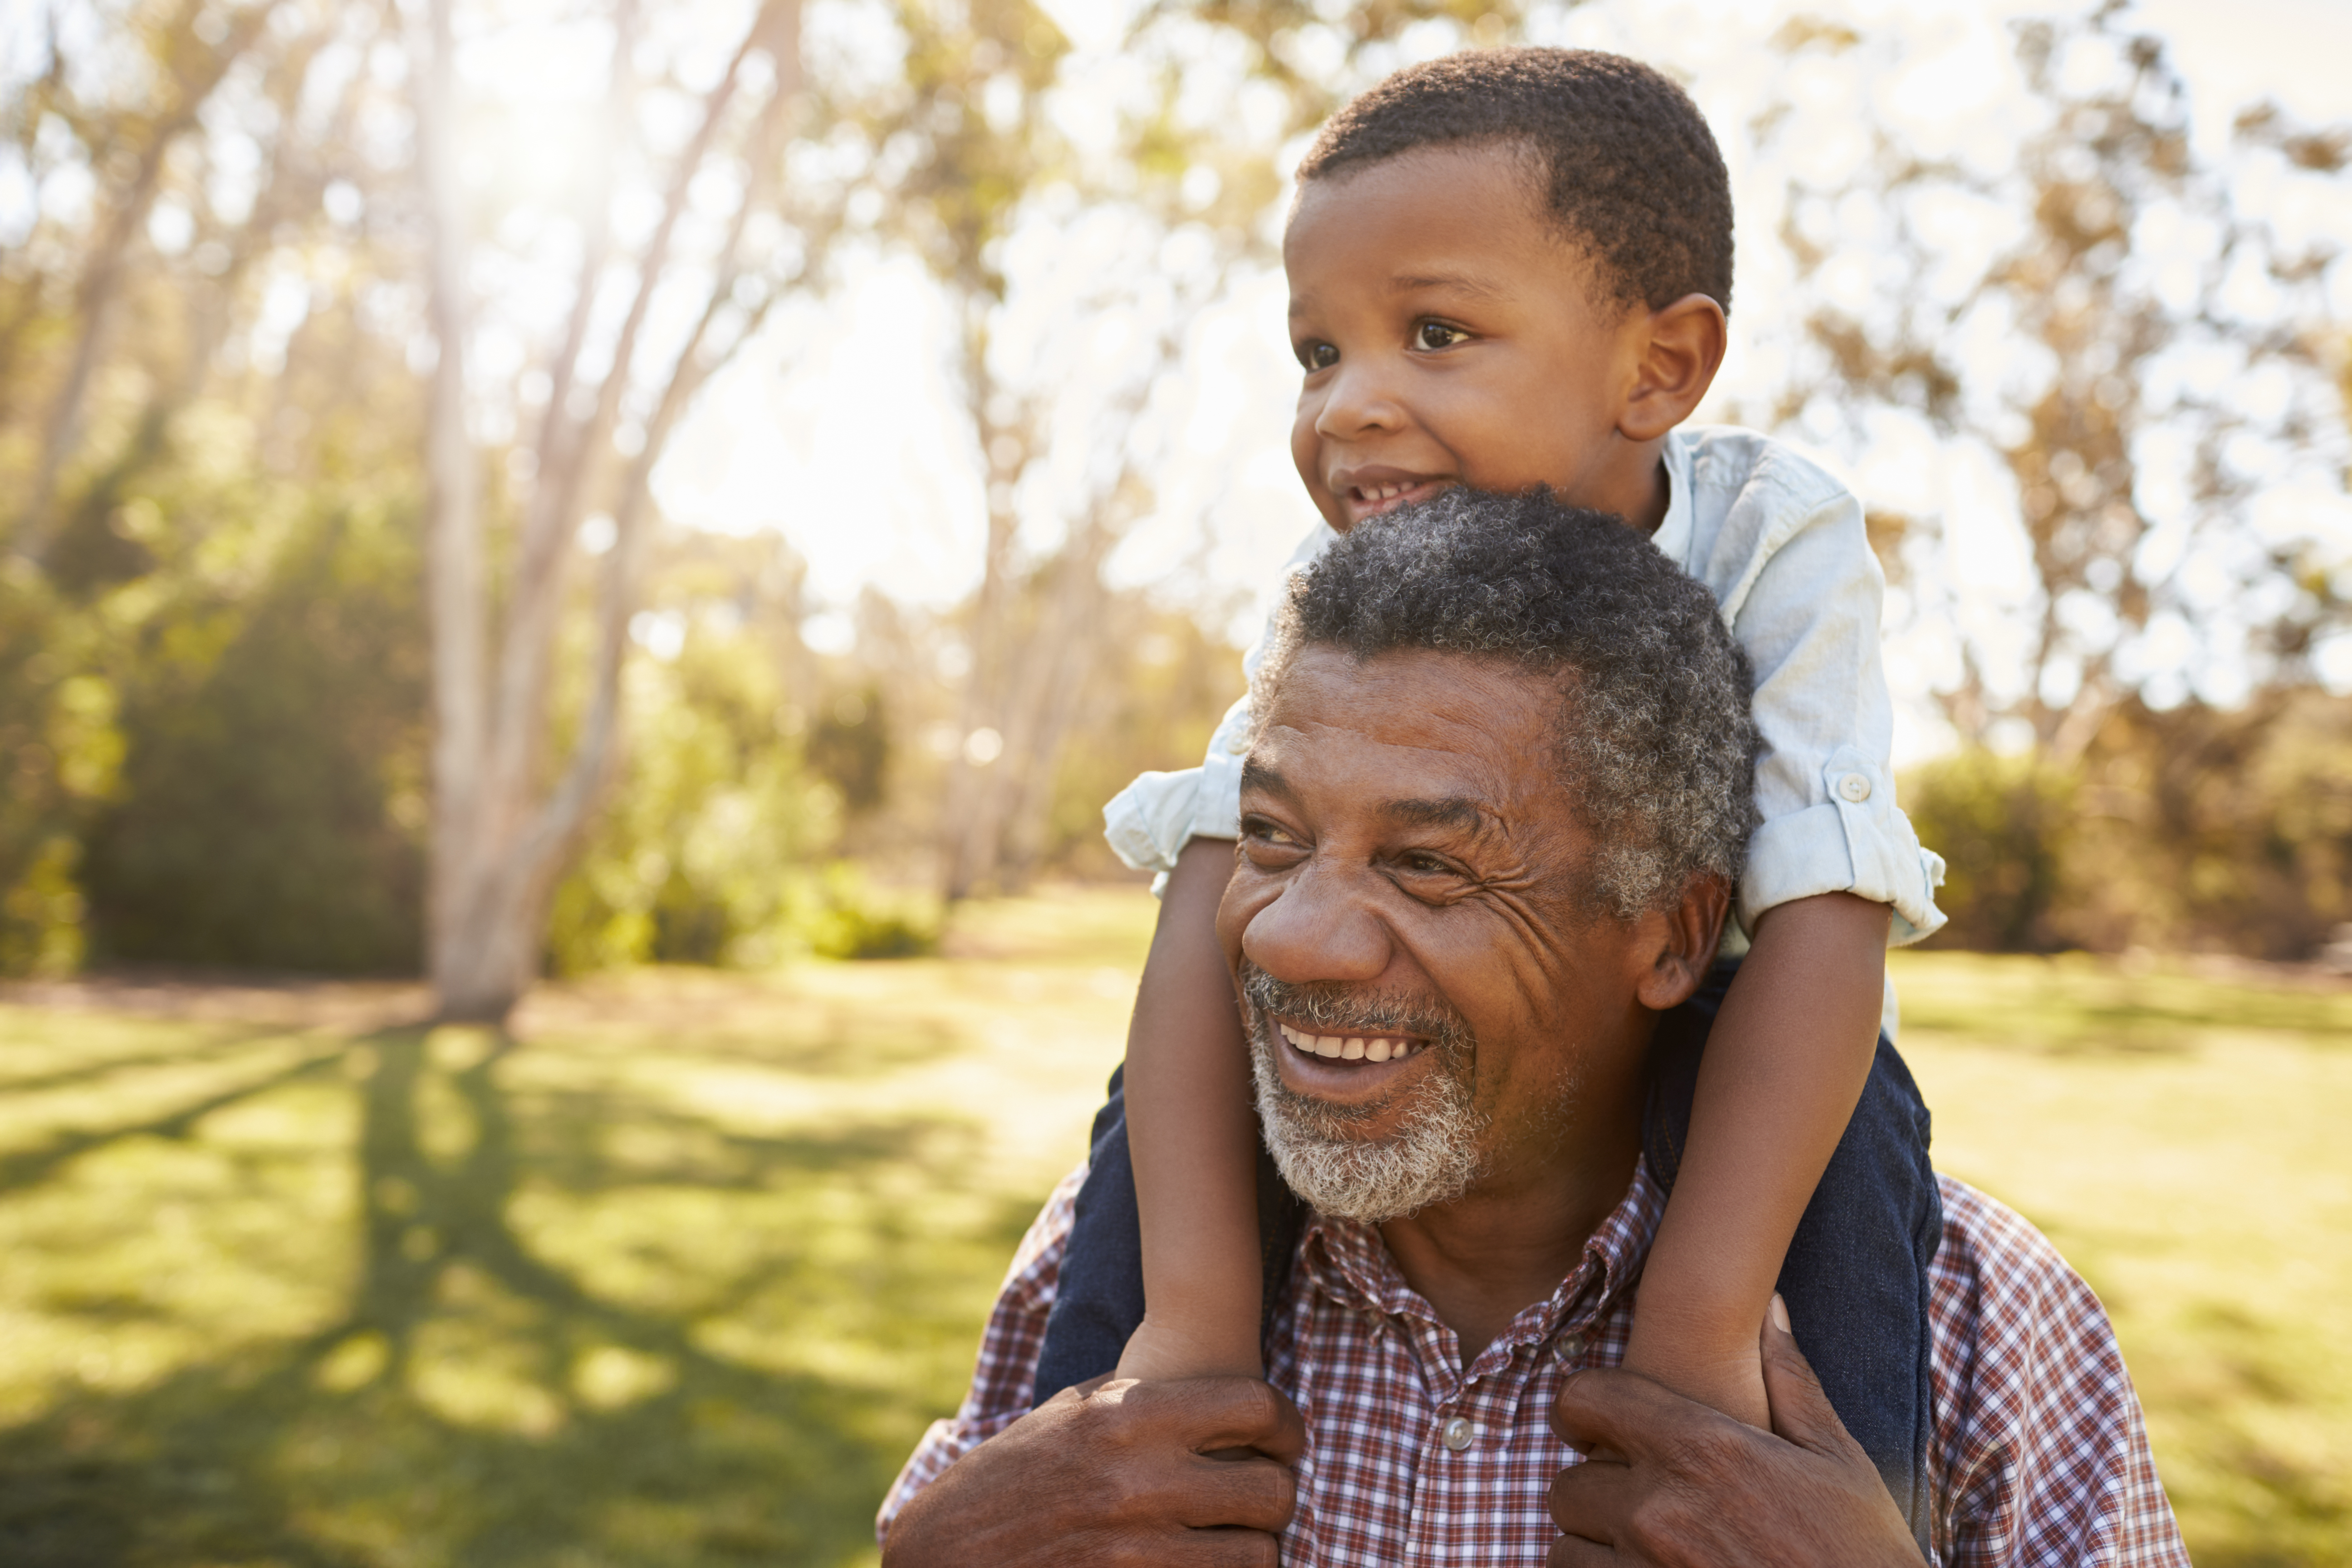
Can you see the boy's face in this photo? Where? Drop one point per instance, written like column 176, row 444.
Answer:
column 1449, row 335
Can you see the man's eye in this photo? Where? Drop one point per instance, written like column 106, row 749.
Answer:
column 1259, row 830
column 1424, row 865
column 1438, row 335
column 1313, row 356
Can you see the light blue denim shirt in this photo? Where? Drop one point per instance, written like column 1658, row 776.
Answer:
column 1780, row 541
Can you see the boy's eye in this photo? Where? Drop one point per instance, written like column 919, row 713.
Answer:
column 1315, row 355
column 1438, row 335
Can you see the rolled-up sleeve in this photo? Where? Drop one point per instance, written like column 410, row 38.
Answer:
column 1807, row 611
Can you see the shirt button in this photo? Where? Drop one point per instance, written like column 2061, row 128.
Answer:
column 1567, row 1348
column 1854, row 787
column 1457, row 1433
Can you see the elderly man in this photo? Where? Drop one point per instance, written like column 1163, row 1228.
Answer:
column 1499, row 792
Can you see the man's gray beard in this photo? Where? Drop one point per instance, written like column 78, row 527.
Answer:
column 1431, row 1158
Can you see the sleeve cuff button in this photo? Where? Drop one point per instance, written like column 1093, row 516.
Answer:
column 1853, row 787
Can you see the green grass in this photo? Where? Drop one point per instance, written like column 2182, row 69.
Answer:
column 677, row 1275
column 2182, row 1141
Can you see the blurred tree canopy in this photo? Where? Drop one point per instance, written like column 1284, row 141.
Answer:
column 261, row 357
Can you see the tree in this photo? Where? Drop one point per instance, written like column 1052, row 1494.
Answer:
column 2142, row 354
column 503, row 823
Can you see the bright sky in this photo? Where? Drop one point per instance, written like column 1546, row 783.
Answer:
column 842, row 427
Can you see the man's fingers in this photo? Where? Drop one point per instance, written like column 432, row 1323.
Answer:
column 1226, row 1549
column 1801, row 1411
column 1593, row 1500
column 1252, row 1493
column 1609, row 1407
column 1568, row 1551
column 1209, row 1413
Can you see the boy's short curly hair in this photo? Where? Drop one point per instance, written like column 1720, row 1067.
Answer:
column 1630, row 169
column 1655, row 740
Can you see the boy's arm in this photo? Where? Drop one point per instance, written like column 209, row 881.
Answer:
column 1193, row 1139
column 1785, row 1065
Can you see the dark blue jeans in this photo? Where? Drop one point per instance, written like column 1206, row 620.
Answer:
column 1855, row 1278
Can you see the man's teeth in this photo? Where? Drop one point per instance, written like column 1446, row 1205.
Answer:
column 1350, row 1047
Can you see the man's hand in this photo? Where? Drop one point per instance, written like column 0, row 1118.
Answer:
column 1683, row 1486
column 1117, row 1473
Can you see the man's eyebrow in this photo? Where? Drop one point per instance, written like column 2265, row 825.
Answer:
column 1258, row 775
column 1452, row 811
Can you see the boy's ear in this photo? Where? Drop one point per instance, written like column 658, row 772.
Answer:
column 1681, row 347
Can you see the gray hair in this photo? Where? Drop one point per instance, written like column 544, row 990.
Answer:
column 1655, row 742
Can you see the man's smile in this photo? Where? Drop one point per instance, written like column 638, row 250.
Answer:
column 1347, row 1070
column 1349, row 1048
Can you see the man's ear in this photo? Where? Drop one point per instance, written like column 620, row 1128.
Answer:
column 1681, row 347
column 1680, row 943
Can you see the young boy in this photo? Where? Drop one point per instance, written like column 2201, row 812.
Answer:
column 1510, row 270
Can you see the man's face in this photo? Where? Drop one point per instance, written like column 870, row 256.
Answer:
column 1432, row 1004
column 1449, row 336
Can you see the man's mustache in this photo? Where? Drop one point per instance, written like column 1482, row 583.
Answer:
column 1335, row 1007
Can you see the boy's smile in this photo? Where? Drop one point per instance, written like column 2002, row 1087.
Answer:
column 1449, row 335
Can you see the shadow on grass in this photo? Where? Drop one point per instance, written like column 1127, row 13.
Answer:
column 33, row 1165
column 590, row 1430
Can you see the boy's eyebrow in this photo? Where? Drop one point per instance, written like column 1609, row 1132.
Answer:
column 1468, row 283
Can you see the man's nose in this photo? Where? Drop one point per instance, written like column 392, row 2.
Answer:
column 1319, row 928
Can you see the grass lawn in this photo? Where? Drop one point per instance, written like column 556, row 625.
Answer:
column 677, row 1275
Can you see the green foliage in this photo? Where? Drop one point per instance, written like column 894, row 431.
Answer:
column 699, row 854
column 849, row 748
column 838, row 914
column 2000, row 823
column 269, row 813
column 2220, row 829
column 2192, row 827
column 59, row 755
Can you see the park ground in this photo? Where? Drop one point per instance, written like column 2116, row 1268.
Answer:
column 675, row 1274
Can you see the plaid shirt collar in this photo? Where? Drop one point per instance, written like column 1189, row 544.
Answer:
column 1347, row 1264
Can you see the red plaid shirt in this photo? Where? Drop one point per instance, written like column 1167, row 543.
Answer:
column 2039, row 1456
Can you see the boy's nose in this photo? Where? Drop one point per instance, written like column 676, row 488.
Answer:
column 1357, row 399
column 1317, row 928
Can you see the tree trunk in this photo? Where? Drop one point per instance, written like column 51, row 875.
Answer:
column 464, row 970
column 501, row 832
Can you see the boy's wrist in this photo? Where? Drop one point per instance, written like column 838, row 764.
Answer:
column 1170, row 1346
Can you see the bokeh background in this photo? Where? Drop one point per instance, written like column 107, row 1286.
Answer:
column 575, row 576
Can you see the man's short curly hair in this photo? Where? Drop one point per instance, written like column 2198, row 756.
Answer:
column 1656, row 743
column 1629, row 167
